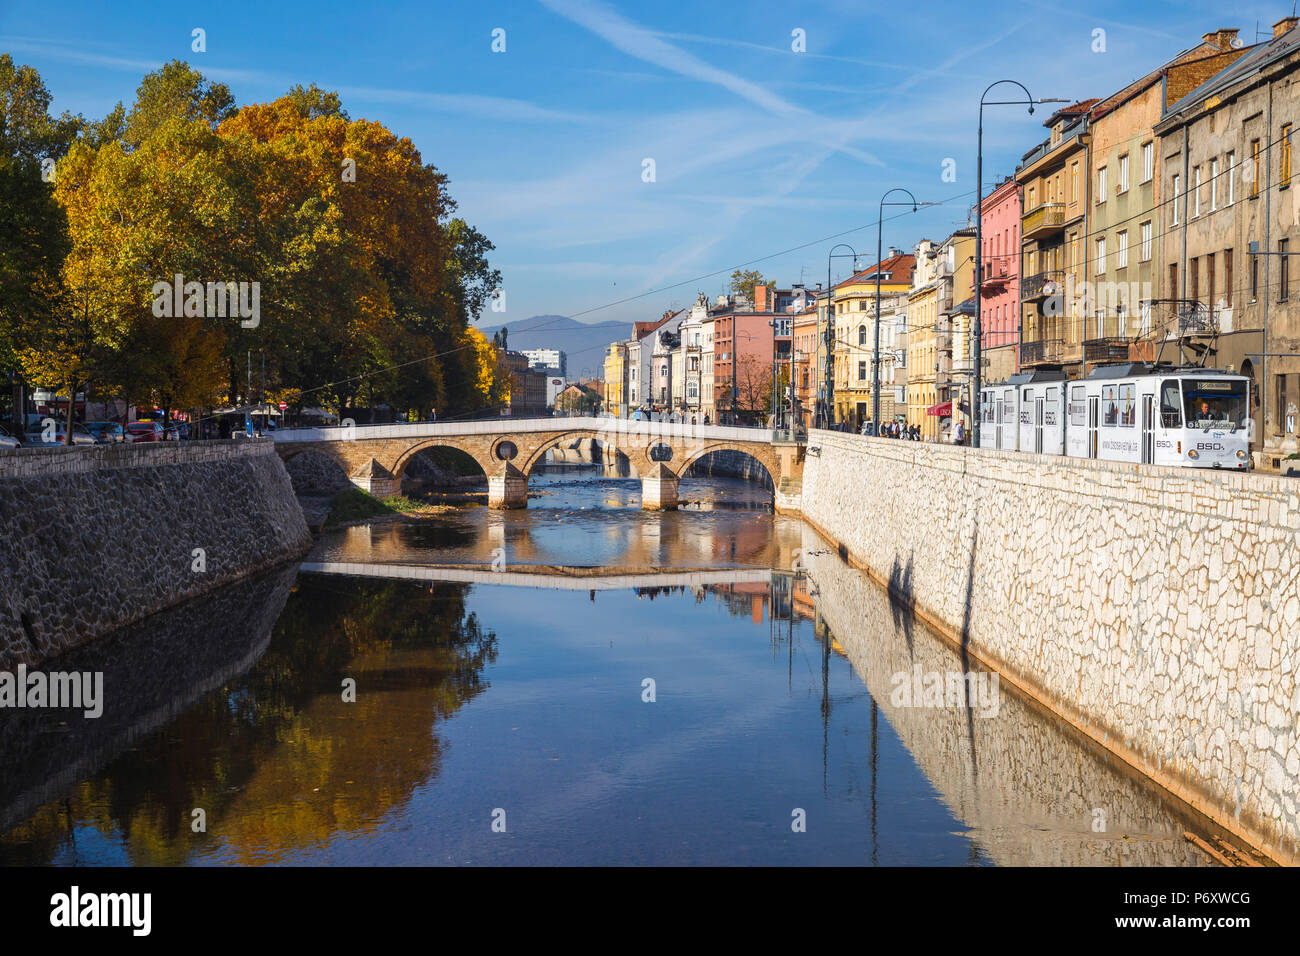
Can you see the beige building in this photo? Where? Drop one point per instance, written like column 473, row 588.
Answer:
column 1225, row 165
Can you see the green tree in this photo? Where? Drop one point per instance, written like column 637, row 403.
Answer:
column 744, row 280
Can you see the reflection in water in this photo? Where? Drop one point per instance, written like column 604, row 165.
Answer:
column 772, row 693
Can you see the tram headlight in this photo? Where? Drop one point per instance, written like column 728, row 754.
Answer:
column 1241, row 454
column 1193, row 454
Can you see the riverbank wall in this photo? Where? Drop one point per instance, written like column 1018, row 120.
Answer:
column 1155, row 609
column 99, row 537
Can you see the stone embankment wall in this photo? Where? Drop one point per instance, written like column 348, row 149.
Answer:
column 99, row 537
column 1157, row 609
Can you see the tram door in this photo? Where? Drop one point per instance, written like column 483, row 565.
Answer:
column 997, row 428
column 1038, row 425
column 1148, row 431
column 1094, row 409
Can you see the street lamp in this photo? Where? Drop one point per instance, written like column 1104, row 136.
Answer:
column 979, row 238
column 830, row 299
column 880, row 225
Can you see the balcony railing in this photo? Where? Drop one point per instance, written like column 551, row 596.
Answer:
column 1042, row 219
column 1042, row 285
column 1041, row 351
column 1108, row 349
column 1197, row 318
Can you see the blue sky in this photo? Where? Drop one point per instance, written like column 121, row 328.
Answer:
column 757, row 149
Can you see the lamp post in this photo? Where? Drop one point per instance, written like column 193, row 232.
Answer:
column 880, row 226
column 830, row 301
column 976, row 350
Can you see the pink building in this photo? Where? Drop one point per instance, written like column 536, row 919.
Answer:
column 1000, row 291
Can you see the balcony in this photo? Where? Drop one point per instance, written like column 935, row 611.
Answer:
column 1042, row 352
column 997, row 270
column 1110, row 349
column 1043, row 220
column 1196, row 318
column 1042, row 285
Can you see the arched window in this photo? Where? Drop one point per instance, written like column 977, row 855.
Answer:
column 862, row 335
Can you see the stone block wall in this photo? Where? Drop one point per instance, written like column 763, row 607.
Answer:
column 1157, row 609
column 95, row 538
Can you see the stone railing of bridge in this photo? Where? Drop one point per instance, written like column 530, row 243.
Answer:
column 660, row 453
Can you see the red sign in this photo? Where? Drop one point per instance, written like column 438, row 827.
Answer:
column 283, row 406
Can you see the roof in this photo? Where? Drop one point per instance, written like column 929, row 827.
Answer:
column 898, row 267
column 1202, row 51
column 1255, row 59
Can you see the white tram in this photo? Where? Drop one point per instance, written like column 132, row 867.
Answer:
column 1025, row 414
column 1189, row 417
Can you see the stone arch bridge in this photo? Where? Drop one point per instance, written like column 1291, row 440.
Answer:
column 375, row 456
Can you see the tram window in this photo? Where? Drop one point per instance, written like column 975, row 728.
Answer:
column 1171, row 414
column 1109, row 405
column 1215, row 403
column 1053, row 396
column 1009, row 406
column 1127, row 405
column 1078, row 406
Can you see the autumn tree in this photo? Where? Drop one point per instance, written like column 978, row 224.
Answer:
column 744, row 280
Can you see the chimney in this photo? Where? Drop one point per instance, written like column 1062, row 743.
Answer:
column 893, row 253
column 1285, row 25
column 760, row 298
column 1223, row 39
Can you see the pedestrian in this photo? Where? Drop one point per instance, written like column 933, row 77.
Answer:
column 706, row 418
column 692, row 419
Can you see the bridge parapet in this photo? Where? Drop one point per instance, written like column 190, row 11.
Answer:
column 374, row 456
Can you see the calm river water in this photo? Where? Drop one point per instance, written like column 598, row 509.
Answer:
column 578, row 683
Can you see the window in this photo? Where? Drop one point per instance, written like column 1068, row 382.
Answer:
column 862, row 371
column 1123, row 174
column 1101, row 185
column 1214, row 184
column 1254, row 278
column 862, row 335
column 1284, row 270
column 1101, row 255
column 1281, row 395
column 1285, row 180
column 1177, row 182
column 1127, row 406
column 1074, row 183
column 1171, row 406
column 1078, row 406
column 1194, row 274
column 1110, row 405
column 1146, row 241
column 1196, row 192
column 1209, row 279
column 1173, row 281
column 1121, row 250
column 1227, row 278
column 1253, row 168
column 1232, row 178
column 1148, row 161
column 1146, row 318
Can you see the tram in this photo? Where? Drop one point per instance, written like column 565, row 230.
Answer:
column 1186, row 417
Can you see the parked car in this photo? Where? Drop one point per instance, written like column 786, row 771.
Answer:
column 144, row 431
column 178, row 433
column 38, row 436
column 106, row 433
column 8, row 441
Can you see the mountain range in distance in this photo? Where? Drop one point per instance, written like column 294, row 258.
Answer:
column 584, row 344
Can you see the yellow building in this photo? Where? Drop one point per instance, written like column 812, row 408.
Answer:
column 957, row 315
column 923, row 340
column 855, row 336
column 616, row 379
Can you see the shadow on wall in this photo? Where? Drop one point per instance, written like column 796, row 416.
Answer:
column 901, row 600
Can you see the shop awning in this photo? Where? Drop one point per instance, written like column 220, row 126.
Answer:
column 943, row 410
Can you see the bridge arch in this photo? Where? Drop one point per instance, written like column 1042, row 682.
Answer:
column 404, row 458
column 538, row 451
column 767, row 461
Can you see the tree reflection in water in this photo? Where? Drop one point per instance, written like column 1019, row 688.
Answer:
column 275, row 758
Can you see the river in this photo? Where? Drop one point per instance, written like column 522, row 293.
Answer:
column 580, row 682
